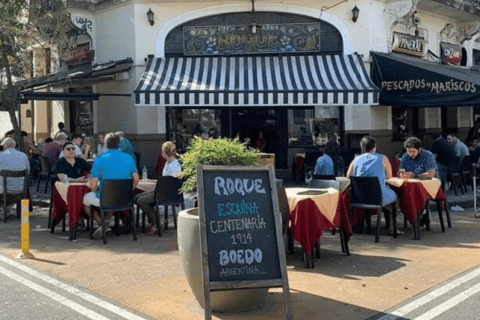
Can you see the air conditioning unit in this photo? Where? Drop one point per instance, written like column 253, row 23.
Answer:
column 121, row 76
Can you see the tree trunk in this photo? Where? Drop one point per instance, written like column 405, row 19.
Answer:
column 9, row 97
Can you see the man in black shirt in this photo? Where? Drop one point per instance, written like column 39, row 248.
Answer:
column 444, row 155
column 69, row 165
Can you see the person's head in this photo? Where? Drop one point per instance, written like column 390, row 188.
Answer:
column 169, row 150
column 77, row 138
column 331, row 148
column 413, row 145
column 452, row 137
column 101, row 138
column 61, row 137
column 8, row 143
column 120, row 135
column 24, row 134
column 368, row 144
column 68, row 150
column 61, row 125
column 112, row 140
column 435, row 135
column 48, row 140
column 10, row 134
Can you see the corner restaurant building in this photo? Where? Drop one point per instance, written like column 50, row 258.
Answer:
column 300, row 76
column 287, row 76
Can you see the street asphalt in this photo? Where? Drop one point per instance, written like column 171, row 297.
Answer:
column 146, row 276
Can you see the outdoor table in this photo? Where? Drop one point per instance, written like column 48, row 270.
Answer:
column 414, row 194
column 68, row 197
column 311, row 214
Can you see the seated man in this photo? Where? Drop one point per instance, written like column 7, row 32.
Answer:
column 53, row 149
column 11, row 159
column 444, row 154
column 71, row 166
column 113, row 164
column 460, row 148
column 417, row 162
column 324, row 165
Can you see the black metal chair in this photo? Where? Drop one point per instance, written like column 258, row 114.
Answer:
column 456, row 176
column 466, row 172
column 117, row 196
column 319, row 183
column 323, row 177
column 167, row 194
column 9, row 197
column 366, row 194
column 285, row 211
column 46, row 172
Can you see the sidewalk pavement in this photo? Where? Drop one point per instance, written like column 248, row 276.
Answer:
column 146, row 275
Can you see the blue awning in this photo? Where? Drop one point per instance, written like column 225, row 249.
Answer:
column 256, row 81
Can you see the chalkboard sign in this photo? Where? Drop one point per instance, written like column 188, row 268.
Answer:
column 240, row 228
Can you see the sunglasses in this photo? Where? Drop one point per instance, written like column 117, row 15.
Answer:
column 70, row 149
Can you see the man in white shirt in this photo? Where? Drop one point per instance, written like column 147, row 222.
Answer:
column 11, row 159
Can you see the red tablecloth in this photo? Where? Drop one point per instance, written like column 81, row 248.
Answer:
column 413, row 196
column 308, row 222
column 74, row 204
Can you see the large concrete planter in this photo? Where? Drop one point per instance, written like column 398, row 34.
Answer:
column 189, row 248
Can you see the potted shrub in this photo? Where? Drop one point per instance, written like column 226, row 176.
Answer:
column 219, row 151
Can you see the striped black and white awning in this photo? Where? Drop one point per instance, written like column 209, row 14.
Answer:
column 256, row 81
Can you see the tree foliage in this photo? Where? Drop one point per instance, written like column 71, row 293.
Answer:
column 25, row 25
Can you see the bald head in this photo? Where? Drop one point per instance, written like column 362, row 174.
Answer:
column 8, row 143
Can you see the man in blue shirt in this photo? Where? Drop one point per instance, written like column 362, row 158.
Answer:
column 417, row 162
column 113, row 164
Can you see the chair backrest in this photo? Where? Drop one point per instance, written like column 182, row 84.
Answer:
column 116, row 194
column 14, row 174
column 311, row 159
column 283, row 205
column 323, row 177
column 322, row 184
column 338, row 166
column 167, row 190
column 45, row 163
column 366, row 190
column 466, row 164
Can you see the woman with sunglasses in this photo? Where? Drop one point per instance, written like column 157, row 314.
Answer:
column 71, row 166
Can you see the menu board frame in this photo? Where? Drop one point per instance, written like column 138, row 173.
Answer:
column 278, row 281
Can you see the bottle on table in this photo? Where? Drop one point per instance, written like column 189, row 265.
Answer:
column 144, row 174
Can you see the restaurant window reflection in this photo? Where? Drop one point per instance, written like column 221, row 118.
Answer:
column 404, row 123
column 314, row 126
column 186, row 123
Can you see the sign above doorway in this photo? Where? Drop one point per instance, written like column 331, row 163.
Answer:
column 240, row 39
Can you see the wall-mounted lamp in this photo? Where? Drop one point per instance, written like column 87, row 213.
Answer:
column 150, row 15
column 355, row 12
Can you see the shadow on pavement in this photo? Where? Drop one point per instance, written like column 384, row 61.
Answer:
column 302, row 303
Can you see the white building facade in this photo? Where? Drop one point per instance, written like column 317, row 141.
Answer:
column 171, row 101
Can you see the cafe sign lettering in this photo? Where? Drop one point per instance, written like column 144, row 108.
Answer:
column 240, row 231
column 409, row 44
column 451, row 53
column 77, row 55
column 429, row 86
column 240, row 39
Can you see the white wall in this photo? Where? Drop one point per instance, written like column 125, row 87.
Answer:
column 5, row 123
